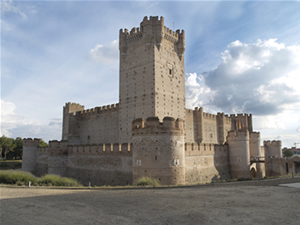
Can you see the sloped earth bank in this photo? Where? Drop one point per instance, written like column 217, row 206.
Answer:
column 232, row 203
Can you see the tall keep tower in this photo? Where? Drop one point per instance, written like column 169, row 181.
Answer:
column 151, row 74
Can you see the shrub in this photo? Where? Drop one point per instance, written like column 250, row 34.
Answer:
column 147, row 181
column 23, row 178
column 16, row 177
column 56, row 180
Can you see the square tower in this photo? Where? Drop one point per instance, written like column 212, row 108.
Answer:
column 151, row 74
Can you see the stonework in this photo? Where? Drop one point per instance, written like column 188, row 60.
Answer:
column 150, row 132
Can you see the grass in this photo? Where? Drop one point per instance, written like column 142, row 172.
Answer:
column 10, row 164
column 22, row 178
column 147, row 181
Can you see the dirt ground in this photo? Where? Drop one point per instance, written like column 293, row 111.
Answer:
column 238, row 203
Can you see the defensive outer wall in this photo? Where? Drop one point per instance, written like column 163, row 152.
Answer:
column 157, row 150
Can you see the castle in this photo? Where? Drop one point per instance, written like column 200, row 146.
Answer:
column 150, row 132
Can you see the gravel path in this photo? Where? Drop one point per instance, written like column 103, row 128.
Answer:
column 234, row 203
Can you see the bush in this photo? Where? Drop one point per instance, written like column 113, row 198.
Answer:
column 23, row 178
column 147, row 181
column 14, row 177
column 54, row 180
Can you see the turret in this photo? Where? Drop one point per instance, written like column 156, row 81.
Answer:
column 70, row 125
column 273, row 149
column 199, row 124
column 58, row 157
column 158, row 150
column 29, row 158
column 239, row 154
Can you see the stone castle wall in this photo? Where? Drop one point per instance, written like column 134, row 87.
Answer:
column 41, row 166
column 102, row 164
column 206, row 163
column 91, row 126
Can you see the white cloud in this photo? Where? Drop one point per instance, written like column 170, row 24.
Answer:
column 14, row 125
column 105, row 54
column 8, row 6
column 261, row 78
column 197, row 93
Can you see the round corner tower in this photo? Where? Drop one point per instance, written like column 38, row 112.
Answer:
column 29, row 158
column 158, row 150
column 239, row 154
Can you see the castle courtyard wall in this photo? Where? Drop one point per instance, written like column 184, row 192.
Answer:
column 100, row 127
column 93, row 126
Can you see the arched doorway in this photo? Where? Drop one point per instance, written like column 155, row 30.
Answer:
column 253, row 172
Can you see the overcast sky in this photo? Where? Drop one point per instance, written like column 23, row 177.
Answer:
column 241, row 57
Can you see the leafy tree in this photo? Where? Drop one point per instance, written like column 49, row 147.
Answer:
column 18, row 150
column 7, row 145
column 42, row 143
column 288, row 153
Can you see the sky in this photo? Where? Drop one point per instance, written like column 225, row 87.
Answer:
column 240, row 57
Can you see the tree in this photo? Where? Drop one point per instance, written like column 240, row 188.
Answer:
column 18, row 150
column 7, row 145
column 42, row 143
column 288, row 153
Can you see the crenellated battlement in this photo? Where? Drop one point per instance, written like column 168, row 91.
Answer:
column 134, row 35
column 43, row 150
column 272, row 143
column 153, row 123
column 153, row 19
column 31, row 142
column 173, row 36
column 97, row 110
column 54, row 144
column 238, row 136
column 149, row 28
column 273, row 148
column 73, row 104
column 73, row 107
column 62, row 148
column 254, row 134
column 100, row 149
column 205, row 149
column 226, row 118
column 209, row 116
